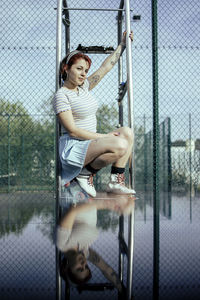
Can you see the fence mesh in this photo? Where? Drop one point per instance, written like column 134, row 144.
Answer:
column 27, row 134
column 27, row 150
column 178, row 38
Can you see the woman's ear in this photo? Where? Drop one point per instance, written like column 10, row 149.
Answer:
column 65, row 68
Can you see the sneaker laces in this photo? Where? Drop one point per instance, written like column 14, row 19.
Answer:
column 90, row 180
column 121, row 178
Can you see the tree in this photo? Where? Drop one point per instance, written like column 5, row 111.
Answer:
column 107, row 117
column 46, row 108
column 14, row 121
column 26, row 145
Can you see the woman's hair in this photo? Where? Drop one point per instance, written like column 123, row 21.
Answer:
column 72, row 61
column 67, row 275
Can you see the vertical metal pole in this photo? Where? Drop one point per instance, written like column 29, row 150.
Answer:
column 58, row 41
column 131, row 124
column 121, row 218
column 190, row 164
column 169, row 155
column 156, row 204
column 8, row 153
column 67, row 28
column 163, row 161
column 169, row 167
column 58, row 179
column 129, row 65
column 22, row 145
column 145, row 167
column 120, row 74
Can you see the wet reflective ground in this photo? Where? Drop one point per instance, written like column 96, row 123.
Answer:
column 27, row 248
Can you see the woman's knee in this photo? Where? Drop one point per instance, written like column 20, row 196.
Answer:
column 127, row 133
column 120, row 146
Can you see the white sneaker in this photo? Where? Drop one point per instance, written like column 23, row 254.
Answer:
column 86, row 182
column 117, row 185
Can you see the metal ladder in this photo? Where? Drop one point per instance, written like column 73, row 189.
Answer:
column 124, row 248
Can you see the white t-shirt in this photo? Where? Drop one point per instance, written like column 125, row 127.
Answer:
column 84, row 232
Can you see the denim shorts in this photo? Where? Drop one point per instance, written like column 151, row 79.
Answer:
column 72, row 154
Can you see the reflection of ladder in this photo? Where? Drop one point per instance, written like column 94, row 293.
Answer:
column 125, row 249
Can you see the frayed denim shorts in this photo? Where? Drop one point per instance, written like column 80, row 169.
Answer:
column 72, row 154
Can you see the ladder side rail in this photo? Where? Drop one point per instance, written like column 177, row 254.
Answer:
column 120, row 65
column 58, row 178
column 131, row 125
column 66, row 22
column 120, row 107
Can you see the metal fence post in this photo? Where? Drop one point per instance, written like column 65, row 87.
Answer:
column 22, row 149
column 58, row 179
column 169, row 157
column 190, row 164
column 66, row 22
column 120, row 73
column 169, row 166
column 145, row 167
column 8, row 153
column 121, row 218
column 156, row 204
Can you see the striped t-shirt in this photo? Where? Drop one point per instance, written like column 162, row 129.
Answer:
column 82, row 104
column 83, row 233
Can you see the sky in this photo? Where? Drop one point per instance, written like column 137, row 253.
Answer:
column 28, row 43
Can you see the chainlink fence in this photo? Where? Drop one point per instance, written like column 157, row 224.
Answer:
column 27, row 150
column 27, row 132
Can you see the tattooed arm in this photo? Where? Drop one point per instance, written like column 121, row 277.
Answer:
column 106, row 66
column 108, row 63
column 106, row 270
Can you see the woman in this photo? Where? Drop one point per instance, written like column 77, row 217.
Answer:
column 76, row 233
column 83, row 151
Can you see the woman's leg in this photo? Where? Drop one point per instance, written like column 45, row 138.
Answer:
column 100, row 153
column 114, row 150
column 104, row 151
column 117, row 178
column 121, row 159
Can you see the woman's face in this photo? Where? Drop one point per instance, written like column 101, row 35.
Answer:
column 78, row 72
column 80, row 269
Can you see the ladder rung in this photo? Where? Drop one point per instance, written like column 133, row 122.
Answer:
column 95, row 49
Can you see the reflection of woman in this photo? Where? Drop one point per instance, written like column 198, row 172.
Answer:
column 80, row 145
column 75, row 234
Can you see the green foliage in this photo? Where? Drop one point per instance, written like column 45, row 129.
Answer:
column 27, row 146
column 14, row 122
column 46, row 108
column 106, row 118
column 7, row 108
